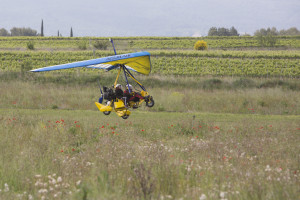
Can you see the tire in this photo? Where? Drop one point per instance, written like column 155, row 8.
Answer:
column 106, row 112
column 150, row 103
column 125, row 116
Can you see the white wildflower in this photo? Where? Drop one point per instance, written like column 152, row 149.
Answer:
column 38, row 176
column 39, row 184
column 78, row 182
column 30, row 197
column 222, row 195
column 42, row 191
column 53, row 181
column 169, row 196
column 6, row 188
column 59, row 179
column 88, row 164
column 202, row 197
column 66, row 185
column 188, row 168
column 279, row 169
column 268, row 168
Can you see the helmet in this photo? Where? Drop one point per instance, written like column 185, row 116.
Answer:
column 129, row 86
column 119, row 86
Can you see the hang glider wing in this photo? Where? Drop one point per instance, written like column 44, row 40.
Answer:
column 138, row 62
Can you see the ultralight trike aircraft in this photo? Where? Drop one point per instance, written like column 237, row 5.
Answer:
column 115, row 99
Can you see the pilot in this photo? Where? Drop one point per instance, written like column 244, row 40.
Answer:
column 119, row 91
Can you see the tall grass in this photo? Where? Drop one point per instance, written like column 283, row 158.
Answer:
column 174, row 94
column 59, row 154
column 207, row 138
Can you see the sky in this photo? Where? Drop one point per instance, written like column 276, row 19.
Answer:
column 148, row 18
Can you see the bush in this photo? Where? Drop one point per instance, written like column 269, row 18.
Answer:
column 100, row 45
column 200, row 45
column 30, row 45
column 211, row 84
column 268, row 40
column 25, row 67
column 82, row 44
column 244, row 83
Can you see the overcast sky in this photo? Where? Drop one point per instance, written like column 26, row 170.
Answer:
column 148, row 18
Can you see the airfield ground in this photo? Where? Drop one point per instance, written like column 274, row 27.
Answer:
column 207, row 137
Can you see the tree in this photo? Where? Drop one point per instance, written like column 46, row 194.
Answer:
column 23, row 32
column 268, row 40
column 58, row 33
column 213, row 31
column 42, row 29
column 4, row 32
column 265, row 32
column 71, row 33
column 223, row 32
column 233, row 32
column 290, row 31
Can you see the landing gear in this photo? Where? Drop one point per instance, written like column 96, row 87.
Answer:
column 125, row 116
column 149, row 102
column 106, row 112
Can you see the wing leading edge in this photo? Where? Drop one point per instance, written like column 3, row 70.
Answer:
column 139, row 62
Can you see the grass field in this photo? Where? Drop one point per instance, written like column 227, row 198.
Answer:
column 214, row 136
column 216, row 143
column 61, row 154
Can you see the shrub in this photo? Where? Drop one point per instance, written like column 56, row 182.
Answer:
column 82, row 44
column 244, row 83
column 30, row 45
column 200, row 45
column 211, row 84
column 100, row 45
column 25, row 67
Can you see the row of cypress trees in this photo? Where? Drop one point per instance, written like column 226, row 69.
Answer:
column 58, row 34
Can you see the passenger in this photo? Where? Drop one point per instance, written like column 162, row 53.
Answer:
column 133, row 96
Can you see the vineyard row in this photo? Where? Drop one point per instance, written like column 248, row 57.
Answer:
column 164, row 64
column 143, row 43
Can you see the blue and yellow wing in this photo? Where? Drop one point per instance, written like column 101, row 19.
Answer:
column 139, row 62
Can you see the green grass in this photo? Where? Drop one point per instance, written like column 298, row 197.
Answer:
column 173, row 94
column 215, row 137
column 85, row 155
column 208, row 136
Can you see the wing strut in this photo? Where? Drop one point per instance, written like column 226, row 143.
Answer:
column 113, row 45
column 131, row 75
column 126, row 78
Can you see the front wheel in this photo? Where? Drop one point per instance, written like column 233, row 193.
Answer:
column 106, row 112
column 125, row 116
column 150, row 103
